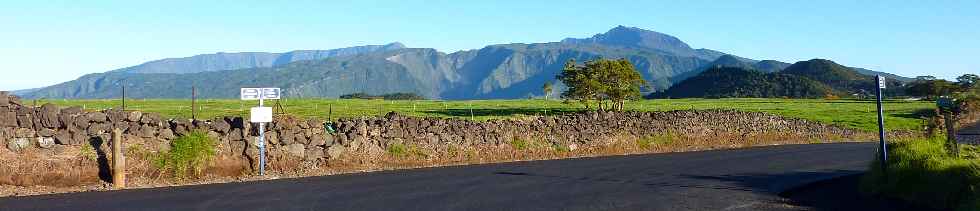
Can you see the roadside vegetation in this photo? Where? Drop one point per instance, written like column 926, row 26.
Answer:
column 188, row 155
column 922, row 172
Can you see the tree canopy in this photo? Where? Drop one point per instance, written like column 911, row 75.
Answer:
column 602, row 80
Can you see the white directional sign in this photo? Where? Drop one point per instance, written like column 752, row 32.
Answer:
column 881, row 82
column 261, row 114
column 260, row 93
column 270, row 93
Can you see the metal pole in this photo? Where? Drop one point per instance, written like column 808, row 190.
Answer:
column 883, row 148
column 261, row 143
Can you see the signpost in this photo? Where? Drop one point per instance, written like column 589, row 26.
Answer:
column 261, row 115
column 883, row 148
column 949, row 107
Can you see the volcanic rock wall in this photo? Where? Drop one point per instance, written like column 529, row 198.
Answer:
column 49, row 127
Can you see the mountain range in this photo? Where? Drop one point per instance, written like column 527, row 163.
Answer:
column 515, row 70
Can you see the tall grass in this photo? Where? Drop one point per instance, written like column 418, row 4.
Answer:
column 189, row 154
column 922, row 172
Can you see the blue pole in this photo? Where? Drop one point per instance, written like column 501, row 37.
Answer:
column 261, row 144
column 883, row 150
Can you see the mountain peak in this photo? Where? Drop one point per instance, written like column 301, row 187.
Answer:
column 394, row 45
column 634, row 37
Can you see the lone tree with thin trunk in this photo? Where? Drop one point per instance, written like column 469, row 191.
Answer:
column 602, row 80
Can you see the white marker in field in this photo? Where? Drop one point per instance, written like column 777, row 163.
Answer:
column 261, row 115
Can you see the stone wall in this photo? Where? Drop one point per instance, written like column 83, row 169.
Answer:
column 49, row 126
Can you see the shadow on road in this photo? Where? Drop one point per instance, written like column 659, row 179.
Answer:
column 843, row 194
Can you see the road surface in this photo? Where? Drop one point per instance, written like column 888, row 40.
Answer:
column 740, row 179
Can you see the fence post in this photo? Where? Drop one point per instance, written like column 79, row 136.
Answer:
column 193, row 102
column 118, row 161
column 124, row 97
column 951, row 133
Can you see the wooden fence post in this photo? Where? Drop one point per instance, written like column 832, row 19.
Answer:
column 118, row 161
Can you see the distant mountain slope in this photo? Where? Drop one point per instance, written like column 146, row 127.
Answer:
column 331, row 77
column 718, row 82
column 244, row 60
column 770, row 66
column 495, row 71
column 516, row 70
column 888, row 76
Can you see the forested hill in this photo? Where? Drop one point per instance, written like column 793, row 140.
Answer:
column 815, row 78
column 720, row 82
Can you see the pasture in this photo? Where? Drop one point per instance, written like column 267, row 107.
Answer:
column 858, row 114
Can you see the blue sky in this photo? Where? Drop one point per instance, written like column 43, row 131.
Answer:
column 44, row 43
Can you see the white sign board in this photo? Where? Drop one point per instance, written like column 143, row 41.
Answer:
column 881, row 82
column 261, row 114
column 260, row 93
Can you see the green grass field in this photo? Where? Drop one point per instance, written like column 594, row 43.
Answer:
column 859, row 114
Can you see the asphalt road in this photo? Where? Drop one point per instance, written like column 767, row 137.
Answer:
column 741, row 179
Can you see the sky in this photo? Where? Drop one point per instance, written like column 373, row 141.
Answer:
column 43, row 43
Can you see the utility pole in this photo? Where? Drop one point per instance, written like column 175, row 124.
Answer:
column 883, row 147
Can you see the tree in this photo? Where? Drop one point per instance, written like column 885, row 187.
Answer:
column 967, row 81
column 930, row 87
column 621, row 82
column 547, row 89
column 601, row 80
column 582, row 83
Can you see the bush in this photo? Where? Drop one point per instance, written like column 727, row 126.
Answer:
column 397, row 150
column 402, row 150
column 189, row 154
column 650, row 141
column 560, row 148
column 922, row 172
column 520, row 144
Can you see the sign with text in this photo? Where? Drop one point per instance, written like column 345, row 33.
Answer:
column 261, row 114
column 260, row 93
column 881, row 82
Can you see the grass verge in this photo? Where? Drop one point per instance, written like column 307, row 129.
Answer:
column 921, row 172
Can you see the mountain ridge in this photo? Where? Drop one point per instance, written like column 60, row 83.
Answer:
column 513, row 70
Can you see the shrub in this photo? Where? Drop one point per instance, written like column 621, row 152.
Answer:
column 188, row 154
column 650, row 141
column 88, row 152
column 402, row 150
column 560, row 148
column 920, row 171
column 397, row 150
column 520, row 144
